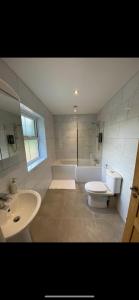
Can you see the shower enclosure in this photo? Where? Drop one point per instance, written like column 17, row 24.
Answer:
column 88, row 147
column 78, row 151
column 77, row 139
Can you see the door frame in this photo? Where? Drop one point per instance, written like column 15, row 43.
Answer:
column 133, row 210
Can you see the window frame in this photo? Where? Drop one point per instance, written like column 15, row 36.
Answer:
column 34, row 137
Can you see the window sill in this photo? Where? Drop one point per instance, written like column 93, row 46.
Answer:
column 35, row 163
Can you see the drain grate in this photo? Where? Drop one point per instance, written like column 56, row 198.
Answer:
column 16, row 219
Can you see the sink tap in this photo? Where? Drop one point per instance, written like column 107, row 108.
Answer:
column 3, row 198
column 4, row 205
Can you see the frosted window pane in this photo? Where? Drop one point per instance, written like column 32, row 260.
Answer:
column 28, row 126
column 23, row 124
column 27, row 150
column 33, row 146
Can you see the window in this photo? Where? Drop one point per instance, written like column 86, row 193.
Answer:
column 29, row 126
column 33, row 126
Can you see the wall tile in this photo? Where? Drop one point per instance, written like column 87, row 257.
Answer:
column 66, row 136
column 121, row 136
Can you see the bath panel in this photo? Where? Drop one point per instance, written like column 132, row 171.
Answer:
column 68, row 169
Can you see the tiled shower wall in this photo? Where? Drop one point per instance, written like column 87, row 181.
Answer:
column 120, row 120
column 66, row 136
column 39, row 178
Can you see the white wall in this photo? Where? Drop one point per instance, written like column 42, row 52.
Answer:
column 39, row 178
column 121, row 135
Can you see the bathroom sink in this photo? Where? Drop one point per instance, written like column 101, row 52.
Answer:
column 23, row 207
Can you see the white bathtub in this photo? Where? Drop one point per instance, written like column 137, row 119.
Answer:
column 64, row 169
column 88, row 173
column 61, row 162
column 87, row 170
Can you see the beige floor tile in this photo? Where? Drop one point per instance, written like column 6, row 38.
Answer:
column 64, row 216
column 45, row 230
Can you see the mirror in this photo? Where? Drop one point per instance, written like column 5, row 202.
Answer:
column 10, row 126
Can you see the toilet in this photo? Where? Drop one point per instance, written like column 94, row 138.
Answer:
column 98, row 191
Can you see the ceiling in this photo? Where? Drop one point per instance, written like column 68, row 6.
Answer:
column 53, row 80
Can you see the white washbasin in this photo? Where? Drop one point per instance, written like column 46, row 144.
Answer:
column 24, row 206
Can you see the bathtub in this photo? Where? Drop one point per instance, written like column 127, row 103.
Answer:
column 64, row 169
column 87, row 170
column 88, row 173
column 61, row 162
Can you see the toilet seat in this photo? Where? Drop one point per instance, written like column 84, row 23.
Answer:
column 96, row 187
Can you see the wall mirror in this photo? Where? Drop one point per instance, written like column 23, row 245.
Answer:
column 10, row 126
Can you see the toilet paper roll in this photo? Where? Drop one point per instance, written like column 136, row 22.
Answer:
column 2, row 239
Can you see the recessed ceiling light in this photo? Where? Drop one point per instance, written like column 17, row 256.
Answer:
column 76, row 92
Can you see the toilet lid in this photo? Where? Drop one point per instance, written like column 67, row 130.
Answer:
column 96, row 186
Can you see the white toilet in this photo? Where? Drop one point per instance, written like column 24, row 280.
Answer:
column 98, row 191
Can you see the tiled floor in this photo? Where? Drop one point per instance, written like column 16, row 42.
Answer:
column 65, row 217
